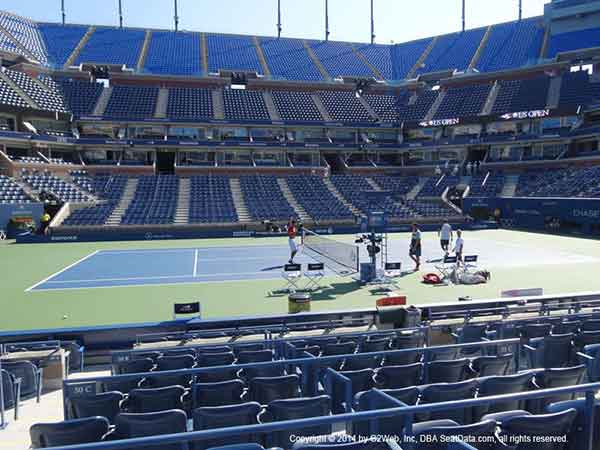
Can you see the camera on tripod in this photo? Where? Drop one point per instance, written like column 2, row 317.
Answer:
column 373, row 242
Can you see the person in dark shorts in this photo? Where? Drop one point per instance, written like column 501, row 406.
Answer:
column 415, row 246
column 445, row 235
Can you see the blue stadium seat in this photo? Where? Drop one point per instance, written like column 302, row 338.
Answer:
column 218, row 394
column 447, row 371
column 105, row 404
column 547, row 425
column 267, row 389
column 69, row 432
column 154, row 400
column 222, row 417
column 509, row 384
column 446, row 392
column 292, row 409
column 551, row 351
column 397, row 377
column 485, row 366
column 437, row 435
column 131, row 425
column 553, row 378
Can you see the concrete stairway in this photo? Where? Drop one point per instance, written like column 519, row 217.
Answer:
column 271, row 108
column 412, row 194
column 289, row 196
column 491, row 100
column 261, row 57
column 160, row 112
column 77, row 50
column 372, row 183
column 510, row 186
column 422, row 58
column 218, row 104
column 119, row 211
column 238, row 200
column 321, row 107
column 204, row 53
column 362, row 57
column 317, row 61
column 102, row 102
column 370, row 110
column 340, row 197
column 144, row 52
column 182, row 213
column 436, row 105
column 479, row 52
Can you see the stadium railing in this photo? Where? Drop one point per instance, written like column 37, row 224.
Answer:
column 407, row 413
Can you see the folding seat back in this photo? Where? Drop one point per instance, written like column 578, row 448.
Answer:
column 147, row 355
column 154, row 400
column 75, row 354
column 361, row 380
column 215, row 359
column 254, row 347
column 216, row 349
column 175, row 362
column 226, row 416
column 161, row 380
column 215, row 376
column 500, row 385
column 443, row 354
column 28, row 373
column 404, row 358
column 254, row 356
column 587, row 338
column 296, row 408
column 535, row 330
column 397, row 377
column 451, row 371
column 8, row 388
column 370, row 346
column 446, row 392
column 471, row 333
column 578, row 438
column 405, row 341
column 141, row 365
column 132, row 425
column 123, row 386
column 591, row 325
column 105, row 404
column 486, row 366
column 267, row 389
column 566, row 327
column 180, row 352
column 276, row 370
column 367, row 400
column 552, row 351
column 431, row 436
column 69, row 432
column 526, row 428
column 218, row 394
column 554, row 378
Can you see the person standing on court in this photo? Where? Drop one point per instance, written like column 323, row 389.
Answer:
column 292, row 231
column 445, row 235
column 459, row 246
column 415, row 246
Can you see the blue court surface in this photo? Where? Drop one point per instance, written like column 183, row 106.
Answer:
column 116, row 268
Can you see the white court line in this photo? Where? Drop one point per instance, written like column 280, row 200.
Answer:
column 62, row 270
column 101, row 280
column 195, row 264
column 208, row 249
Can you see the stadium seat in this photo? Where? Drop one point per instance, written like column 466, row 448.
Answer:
column 141, row 365
column 370, row 346
column 247, row 357
column 30, row 376
column 215, row 359
column 535, row 330
column 296, row 408
column 105, row 404
column 264, row 390
column 547, row 425
column 433, row 435
column 175, row 362
column 450, row 371
column 69, row 432
column 509, row 384
column 586, row 338
column 360, row 380
column 591, row 325
column 344, row 348
column 485, row 366
column 397, row 377
column 447, row 392
column 123, row 386
column 217, row 394
column 131, row 425
column 578, row 438
column 11, row 388
column 222, row 417
column 551, row 351
column 553, row 378
column 76, row 353
column 215, row 376
column 154, row 400
column 566, row 327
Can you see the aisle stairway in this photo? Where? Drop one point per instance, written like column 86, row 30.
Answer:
column 119, row 211
column 510, row 186
column 414, row 192
column 340, row 197
column 238, row 200
column 182, row 214
column 289, row 196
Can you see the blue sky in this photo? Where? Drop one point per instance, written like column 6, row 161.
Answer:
column 395, row 20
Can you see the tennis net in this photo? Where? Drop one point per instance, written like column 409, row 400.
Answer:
column 340, row 257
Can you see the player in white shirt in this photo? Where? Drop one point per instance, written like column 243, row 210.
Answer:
column 446, row 236
column 459, row 246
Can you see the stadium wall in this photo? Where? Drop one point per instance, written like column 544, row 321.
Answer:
column 569, row 215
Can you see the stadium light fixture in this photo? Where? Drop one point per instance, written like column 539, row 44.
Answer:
column 372, row 24
column 62, row 10
column 464, row 10
column 279, row 18
column 327, row 20
column 176, row 17
column 120, row 14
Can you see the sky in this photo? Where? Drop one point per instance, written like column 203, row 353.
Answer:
column 349, row 20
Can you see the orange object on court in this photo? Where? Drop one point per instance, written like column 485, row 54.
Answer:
column 397, row 300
